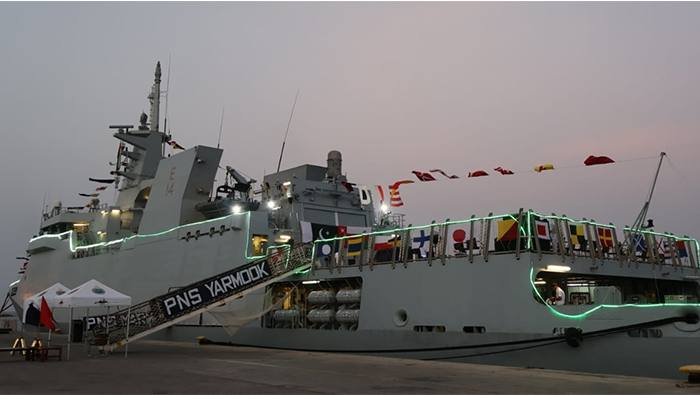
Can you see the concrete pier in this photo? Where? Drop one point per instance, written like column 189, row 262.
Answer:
column 159, row 367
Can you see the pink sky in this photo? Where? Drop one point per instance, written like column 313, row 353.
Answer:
column 394, row 86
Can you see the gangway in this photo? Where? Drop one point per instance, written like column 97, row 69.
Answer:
column 125, row 326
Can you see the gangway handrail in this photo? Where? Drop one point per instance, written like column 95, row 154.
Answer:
column 168, row 309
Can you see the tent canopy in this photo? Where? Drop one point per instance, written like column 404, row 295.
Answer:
column 93, row 294
column 52, row 295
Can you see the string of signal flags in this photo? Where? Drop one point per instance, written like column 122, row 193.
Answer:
column 435, row 174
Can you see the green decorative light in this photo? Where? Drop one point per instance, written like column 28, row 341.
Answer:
column 586, row 313
column 669, row 235
column 74, row 248
column 391, row 231
column 529, row 229
column 524, row 231
column 577, row 221
column 302, row 272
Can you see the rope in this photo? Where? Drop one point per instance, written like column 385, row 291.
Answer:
column 530, row 171
column 550, row 340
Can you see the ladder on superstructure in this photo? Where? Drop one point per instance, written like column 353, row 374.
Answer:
column 176, row 306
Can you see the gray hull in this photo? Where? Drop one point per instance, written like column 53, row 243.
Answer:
column 611, row 354
column 517, row 330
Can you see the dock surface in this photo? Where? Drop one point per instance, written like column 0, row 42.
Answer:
column 159, row 367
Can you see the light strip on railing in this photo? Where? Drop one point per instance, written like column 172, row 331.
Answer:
column 392, row 231
column 74, row 248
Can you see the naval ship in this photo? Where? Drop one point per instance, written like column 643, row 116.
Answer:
column 329, row 268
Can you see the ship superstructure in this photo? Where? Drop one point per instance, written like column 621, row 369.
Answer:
column 477, row 289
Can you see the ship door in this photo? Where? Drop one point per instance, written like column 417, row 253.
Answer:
column 259, row 244
column 139, row 205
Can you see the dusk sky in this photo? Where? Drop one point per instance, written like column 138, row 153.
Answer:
column 395, row 87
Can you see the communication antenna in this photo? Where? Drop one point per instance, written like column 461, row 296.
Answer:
column 279, row 163
column 221, row 127
column 43, row 209
column 167, row 90
column 639, row 222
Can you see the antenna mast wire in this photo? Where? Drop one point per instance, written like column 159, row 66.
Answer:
column 279, row 163
column 643, row 213
column 221, row 127
column 165, row 117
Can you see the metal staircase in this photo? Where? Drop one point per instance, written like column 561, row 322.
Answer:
column 125, row 326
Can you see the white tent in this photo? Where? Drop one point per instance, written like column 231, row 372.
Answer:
column 93, row 293
column 52, row 295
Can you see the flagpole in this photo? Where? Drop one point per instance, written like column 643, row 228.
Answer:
column 70, row 332
column 128, row 321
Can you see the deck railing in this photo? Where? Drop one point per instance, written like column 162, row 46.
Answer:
column 524, row 231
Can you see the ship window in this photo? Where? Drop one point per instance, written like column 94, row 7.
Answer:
column 429, row 328
column 349, row 219
column 259, row 244
column 474, row 329
column 319, row 216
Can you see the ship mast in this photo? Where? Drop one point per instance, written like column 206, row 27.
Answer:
column 154, row 98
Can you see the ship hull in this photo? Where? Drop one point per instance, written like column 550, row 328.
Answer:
column 483, row 311
column 620, row 353
column 517, row 330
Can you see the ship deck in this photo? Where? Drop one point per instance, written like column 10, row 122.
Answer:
column 169, row 367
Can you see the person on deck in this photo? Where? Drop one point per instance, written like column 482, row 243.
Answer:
column 559, row 296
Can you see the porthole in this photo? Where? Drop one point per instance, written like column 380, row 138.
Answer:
column 400, row 317
column 211, row 232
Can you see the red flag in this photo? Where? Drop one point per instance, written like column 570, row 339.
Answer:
column 423, row 176
column 503, row 171
column 381, row 193
column 605, row 237
column 45, row 315
column 444, row 174
column 597, row 160
column 477, row 173
column 347, row 185
column 394, row 192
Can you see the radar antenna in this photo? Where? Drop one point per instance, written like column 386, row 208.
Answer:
column 639, row 222
column 279, row 163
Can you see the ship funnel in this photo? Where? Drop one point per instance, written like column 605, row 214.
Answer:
column 335, row 164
